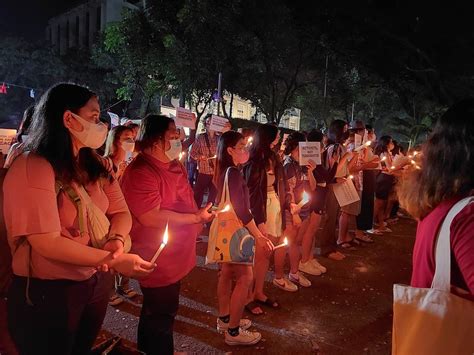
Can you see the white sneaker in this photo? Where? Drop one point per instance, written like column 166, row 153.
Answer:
column 222, row 327
column 244, row 338
column 319, row 266
column 285, row 285
column 309, row 268
column 299, row 278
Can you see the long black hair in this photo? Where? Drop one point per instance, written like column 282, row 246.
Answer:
column 25, row 123
column 49, row 138
column 261, row 150
column 382, row 145
column 337, row 133
column 447, row 163
column 292, row 141
column 224, row 160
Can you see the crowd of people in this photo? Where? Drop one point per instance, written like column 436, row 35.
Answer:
column 81, row 223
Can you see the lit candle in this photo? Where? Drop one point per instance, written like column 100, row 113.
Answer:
column 182, row 155
column 368, row 143
column 162, row 246
column 304, row 201
column 418, row 167
column 284, row 244
column 415, row 153
column 225, row 209
column 249, row 140
column 383, row 159
column 413, row 162
column 392, row 167
column 214, row 157
column 351, row 177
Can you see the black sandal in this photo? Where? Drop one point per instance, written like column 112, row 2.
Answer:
column 269, row 303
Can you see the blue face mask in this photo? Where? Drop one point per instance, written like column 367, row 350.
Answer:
column 175, row 149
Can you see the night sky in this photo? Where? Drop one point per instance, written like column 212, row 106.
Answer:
column 28, row 18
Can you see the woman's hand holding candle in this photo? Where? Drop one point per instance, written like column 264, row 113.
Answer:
column 162, row 245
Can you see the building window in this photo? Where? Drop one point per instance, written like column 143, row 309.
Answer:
column 98, row 18
column 77, row 31
column 86, row 32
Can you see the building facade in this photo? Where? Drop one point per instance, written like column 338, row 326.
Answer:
column 80, row 26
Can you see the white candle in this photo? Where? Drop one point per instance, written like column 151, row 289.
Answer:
column 225, row 209
column 214, row 157
column 284, row 244
column 304, row 201
column 162, row 246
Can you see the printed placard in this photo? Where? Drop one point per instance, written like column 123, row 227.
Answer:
column 6, row 138
column 114, row 119
column 218, row 123
column 185, row 118
column 345, row 193
column 357, row 140
column 310, row 151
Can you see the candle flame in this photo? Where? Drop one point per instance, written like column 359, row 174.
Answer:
column 305, row 197
column 249, row 140
column 181, row 155
column 413, row 162
column 383, row 159
column 351, row 177
column 285, row 241
column 415, row 153
column 392, row 167
column 165, row 236
column 410, row 156
column 418, row 167
column 368, row 143
column 225, row 209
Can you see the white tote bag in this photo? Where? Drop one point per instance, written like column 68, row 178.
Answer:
column 434, row 320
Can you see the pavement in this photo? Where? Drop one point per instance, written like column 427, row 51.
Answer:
column 348, row 310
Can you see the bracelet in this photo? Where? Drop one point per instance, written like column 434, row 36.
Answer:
column 116, row 237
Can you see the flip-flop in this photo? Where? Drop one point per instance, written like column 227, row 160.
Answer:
column 269, row 303
column 364, row 239
column 346, row 245
column 252, row 306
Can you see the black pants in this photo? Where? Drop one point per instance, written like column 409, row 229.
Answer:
column 155, row 329
column 326, row 240
column 65, row 318
column 366, row 217
column 203, row 182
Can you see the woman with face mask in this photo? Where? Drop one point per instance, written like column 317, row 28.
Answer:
column 232, row 153
column 57, row 300
column 158, row 194
column 119, row 148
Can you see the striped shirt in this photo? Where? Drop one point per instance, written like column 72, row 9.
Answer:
column 201, row 149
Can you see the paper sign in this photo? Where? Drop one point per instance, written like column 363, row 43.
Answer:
column 357, row 140
column 114, row 119
column 218, row 124
column 6, row 137
column 345, row 193
column 310, row 151
column 185, row 118
column 366, row 137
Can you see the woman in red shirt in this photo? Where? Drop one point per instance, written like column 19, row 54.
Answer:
column 157, row 191
column 445, row 177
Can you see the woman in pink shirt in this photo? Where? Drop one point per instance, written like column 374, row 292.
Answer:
column 157, row 191
column 445, row 177
column 57, row 300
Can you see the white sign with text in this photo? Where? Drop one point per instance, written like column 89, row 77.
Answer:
column 346, row 193
column 6, row 138
column 310, row 151
column 218, row 123
column 185, row 118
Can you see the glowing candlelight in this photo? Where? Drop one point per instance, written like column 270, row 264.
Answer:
column 351, row 177
column 284, row 244
column 392, row 167
column 383, row 159
column 225, row 209
column 182, row 155
column 413, row 162
column 410, row 156
column 305, row 200
column 213, row 157
column 417, row 167
column 415, row 153
column 249, row 140
column 368, row 143
column 162, row 246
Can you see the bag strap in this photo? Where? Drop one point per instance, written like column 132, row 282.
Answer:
column 76, row 200
column 442, row 276
column 226, row 187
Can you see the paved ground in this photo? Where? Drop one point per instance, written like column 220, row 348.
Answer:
column 346, row 311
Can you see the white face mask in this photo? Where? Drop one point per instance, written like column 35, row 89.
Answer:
column 128, row 145
column 175, row 149
column 24, row 138
column 93, row 135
